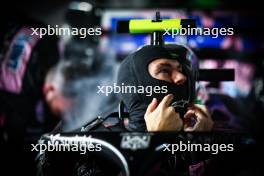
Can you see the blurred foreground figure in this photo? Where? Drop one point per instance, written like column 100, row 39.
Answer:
column 71, row 91
column 24, row 62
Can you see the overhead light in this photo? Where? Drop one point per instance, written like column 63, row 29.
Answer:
column 81, row 6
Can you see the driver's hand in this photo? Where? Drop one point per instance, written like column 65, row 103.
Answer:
column 162, row 116
column 198, row 118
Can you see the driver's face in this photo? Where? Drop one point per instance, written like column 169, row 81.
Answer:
column 167, row 70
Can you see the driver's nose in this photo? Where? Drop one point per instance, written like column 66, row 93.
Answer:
column 178, row 78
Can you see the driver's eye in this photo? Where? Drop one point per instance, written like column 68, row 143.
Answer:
column 164, row 71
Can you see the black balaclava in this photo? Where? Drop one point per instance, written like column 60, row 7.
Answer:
column 134, row 72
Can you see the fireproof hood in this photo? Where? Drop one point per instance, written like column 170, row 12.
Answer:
column 133, row 71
